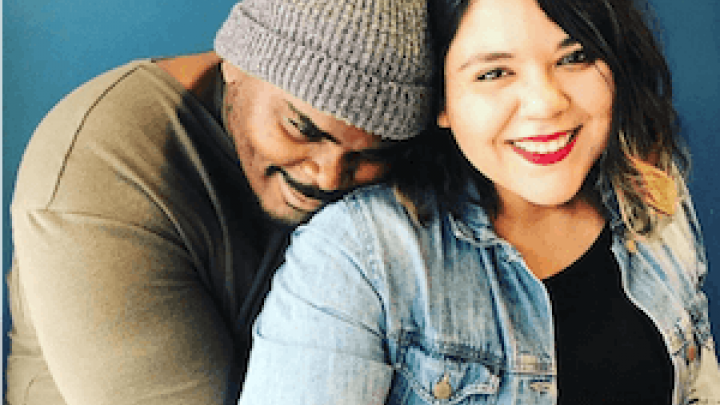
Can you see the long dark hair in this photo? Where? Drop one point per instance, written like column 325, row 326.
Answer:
column 645, row 161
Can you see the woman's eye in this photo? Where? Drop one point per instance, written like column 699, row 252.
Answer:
column 573, row 58
column 493, row 75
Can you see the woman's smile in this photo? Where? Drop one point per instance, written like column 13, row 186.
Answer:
column 546, row 149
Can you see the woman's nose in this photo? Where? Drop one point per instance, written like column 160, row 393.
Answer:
column 543, row 98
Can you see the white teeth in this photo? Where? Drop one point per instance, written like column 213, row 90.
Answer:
column 544, row 147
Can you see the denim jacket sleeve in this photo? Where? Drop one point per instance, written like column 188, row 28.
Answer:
column 705, row 387
column 319, row 338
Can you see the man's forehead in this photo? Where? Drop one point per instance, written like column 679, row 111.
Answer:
column 286, row 105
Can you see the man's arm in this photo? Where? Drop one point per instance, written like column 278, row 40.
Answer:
column 120, row 316
column 112, row 228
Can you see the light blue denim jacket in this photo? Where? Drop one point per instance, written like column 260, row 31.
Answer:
column 371, row 308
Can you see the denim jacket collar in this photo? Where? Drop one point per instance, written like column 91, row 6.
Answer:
column 473, row 224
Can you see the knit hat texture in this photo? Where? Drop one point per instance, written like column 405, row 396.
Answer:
column 366, row 62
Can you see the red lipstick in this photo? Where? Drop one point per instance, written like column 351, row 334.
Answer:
column 544, row 138
column 546, row 159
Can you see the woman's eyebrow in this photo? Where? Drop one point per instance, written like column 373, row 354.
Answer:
column 568, row 42
column 488, row 57
column 483, row 57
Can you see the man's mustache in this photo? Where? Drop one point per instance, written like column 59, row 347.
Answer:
column 308, row 191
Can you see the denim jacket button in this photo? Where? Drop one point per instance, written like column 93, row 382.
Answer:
column 692, row 353
column 541, row 386
column 631, row 246
column 443, row 389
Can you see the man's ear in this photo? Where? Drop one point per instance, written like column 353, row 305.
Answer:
column 442, row 119
column 230, row 73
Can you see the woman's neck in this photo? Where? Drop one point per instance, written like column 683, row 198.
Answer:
column 549, row 238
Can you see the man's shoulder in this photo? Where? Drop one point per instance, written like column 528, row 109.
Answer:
column 137, row 87
column 180, row 73
column 130, row 113
column 128, row 80
column 89, row 91
column 194, row 72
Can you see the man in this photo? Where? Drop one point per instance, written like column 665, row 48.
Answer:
column 154, row 203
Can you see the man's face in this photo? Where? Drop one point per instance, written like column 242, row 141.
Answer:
column 296, row 158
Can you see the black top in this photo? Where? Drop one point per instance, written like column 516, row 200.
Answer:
column 608, row 350
column 264, row 241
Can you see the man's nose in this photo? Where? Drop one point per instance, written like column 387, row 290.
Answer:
column 326, row 167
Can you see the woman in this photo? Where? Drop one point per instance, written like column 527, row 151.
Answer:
column 538, row 247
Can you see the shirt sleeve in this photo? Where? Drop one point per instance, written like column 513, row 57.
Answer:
column 320, row 338
column 108, row 265
column 120, row 314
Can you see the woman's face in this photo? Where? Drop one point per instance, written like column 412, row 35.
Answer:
column 525, row 106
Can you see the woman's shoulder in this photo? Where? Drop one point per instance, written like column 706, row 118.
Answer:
column 368, row 222
column 367, row 207
column 355, row 203
column 682, row 239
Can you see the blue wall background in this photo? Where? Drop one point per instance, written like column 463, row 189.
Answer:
column 51, row 47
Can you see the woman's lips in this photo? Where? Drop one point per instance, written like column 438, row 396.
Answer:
column 546, row 149
column 545, row 138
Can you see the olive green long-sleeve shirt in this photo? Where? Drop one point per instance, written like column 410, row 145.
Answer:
column 141, row 256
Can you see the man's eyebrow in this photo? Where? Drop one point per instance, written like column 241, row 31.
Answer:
column 312, row 131
column 383, row 151
column 495, row 56
column 309, row 128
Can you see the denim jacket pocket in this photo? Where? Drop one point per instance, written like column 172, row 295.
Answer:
column 428, row 374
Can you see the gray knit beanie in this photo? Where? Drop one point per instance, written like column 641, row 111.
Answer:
column 366, row 62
